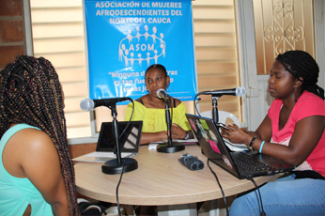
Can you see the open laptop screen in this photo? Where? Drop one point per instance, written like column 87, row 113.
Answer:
column 211, row 142
column 129, row 140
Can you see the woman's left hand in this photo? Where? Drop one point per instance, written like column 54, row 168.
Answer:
column 177, row 132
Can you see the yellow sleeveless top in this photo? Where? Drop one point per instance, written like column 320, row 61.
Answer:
column 154, row 120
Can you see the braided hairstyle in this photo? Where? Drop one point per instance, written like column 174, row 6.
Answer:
column 158, row 66
column 302, row 65
column 30, row 93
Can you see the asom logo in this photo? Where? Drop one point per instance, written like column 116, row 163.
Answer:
column 142, row 47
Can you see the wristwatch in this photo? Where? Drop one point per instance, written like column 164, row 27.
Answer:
column 187, row 135
column 251, row 143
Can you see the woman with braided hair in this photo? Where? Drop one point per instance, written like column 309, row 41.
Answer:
column 293, row 131
column 36, row 172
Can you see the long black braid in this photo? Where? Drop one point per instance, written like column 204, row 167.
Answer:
column 302, row 65
column 30, row 92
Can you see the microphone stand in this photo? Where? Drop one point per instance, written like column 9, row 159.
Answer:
column 115, row 166
column 215, row 114
column 169, row 147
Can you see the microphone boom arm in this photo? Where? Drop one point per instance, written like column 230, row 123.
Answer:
column 170, row 146
column 119, row 164
column 115, row 128
column 215, row 113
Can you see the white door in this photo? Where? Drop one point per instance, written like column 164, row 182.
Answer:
column 258, row 100
column 254, row 105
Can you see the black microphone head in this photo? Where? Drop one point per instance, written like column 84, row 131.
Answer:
column 160, row 91
column 87, row 104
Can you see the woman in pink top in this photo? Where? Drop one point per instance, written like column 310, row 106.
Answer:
column 293, row 131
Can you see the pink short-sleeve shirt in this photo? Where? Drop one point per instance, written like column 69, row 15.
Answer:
column 307, row 105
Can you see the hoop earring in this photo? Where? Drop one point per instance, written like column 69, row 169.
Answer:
column 296, row 95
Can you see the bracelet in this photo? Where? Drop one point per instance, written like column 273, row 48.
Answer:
column 261, row 146
column 187, row 135
column 251, row 143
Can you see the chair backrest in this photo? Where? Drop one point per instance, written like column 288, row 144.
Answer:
column 223, row 115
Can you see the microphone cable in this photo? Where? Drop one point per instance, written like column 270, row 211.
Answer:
column 129, row 119
column 126, row 127
column 171, row 109
column 118, row 184
column 223, row 194
column 262, row 212
column 195, row 104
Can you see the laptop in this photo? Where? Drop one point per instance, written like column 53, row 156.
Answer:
column 242, row 164
column 129, row 141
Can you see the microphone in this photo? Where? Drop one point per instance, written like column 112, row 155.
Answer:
column 169, row 146
column 89, row 104
column 239, row 92
column 161, row 93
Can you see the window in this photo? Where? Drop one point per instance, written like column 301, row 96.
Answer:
column 58, row 35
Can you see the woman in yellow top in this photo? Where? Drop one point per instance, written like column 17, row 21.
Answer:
column 151, row 110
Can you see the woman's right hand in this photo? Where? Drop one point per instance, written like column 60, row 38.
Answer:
column 177, row 132
column 235, row 134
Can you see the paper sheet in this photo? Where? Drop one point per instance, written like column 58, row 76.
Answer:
column 235, row 147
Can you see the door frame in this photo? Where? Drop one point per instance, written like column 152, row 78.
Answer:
column 319, row 22
column 244, row 13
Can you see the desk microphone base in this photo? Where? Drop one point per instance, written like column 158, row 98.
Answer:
column 166, row 148
column 112, row 167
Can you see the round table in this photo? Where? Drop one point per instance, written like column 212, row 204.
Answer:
column 160, row 180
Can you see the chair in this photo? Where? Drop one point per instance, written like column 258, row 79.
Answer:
column 223, row 116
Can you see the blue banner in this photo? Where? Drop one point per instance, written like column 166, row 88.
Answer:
column 125, row 37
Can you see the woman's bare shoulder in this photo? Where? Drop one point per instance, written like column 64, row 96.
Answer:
column 32, row 141
column 25, row 148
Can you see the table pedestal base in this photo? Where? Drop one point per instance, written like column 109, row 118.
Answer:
column 175, row 210
column 209, row 208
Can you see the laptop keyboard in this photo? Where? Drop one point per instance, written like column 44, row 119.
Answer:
column 108, row 154
column 248, row 163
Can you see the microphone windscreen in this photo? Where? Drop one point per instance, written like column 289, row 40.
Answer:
column 87, row 104
column 240, row 91
column 158, row 92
